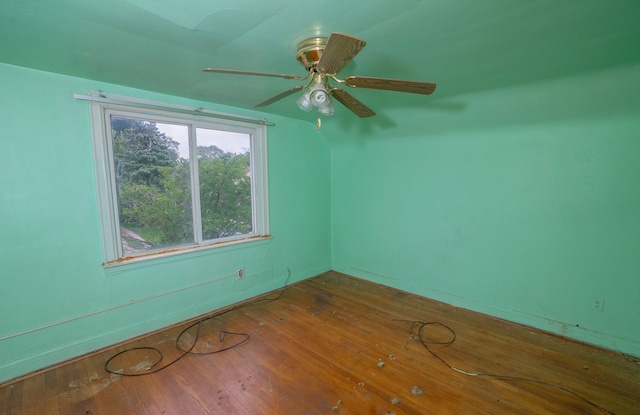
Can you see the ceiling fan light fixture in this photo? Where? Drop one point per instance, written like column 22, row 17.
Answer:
column 326, row 109
column 304, row 102
column 316, row 96
column 319, row 96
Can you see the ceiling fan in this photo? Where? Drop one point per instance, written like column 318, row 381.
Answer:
column 324, row 58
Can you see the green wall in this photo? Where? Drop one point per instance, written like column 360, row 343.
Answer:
column 523, row 203
column 50, row 244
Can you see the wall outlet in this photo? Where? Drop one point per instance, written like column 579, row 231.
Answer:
column 240, row 273
column 597, row 304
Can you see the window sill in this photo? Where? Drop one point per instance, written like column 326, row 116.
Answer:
column 170, row 254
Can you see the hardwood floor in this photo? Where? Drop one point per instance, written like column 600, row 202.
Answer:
column 337, row 344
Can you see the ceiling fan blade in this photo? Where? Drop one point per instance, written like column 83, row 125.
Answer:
column 413, row 87
column 281, row 95
column 238, row 72
column 350, row 102
column 338, row 52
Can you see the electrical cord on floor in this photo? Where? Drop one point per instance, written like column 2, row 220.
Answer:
column 416, row 329
column 222, row 336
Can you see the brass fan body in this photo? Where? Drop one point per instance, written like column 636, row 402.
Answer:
column 310, row 51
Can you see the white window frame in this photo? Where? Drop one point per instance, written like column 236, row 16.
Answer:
column 101, row 111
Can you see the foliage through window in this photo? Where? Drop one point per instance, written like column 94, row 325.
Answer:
column 173, row 181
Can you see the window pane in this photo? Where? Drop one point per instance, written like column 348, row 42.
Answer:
column 224, row 169
column 151, row 165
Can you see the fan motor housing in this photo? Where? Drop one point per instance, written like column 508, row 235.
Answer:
column 310, row 51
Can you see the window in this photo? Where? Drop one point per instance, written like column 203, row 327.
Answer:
column 171, row 181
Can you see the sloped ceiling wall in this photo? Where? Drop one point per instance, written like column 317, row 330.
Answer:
column 463, row 46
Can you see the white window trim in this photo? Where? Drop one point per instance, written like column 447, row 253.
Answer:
column 102, row 108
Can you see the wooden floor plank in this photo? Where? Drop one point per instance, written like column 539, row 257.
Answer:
column 338, row 344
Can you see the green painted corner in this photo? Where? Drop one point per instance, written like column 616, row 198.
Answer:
column 522, row 203
column 51, row 249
